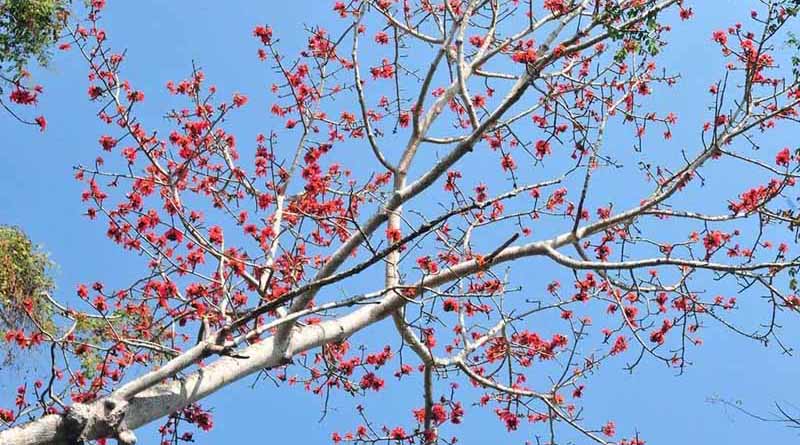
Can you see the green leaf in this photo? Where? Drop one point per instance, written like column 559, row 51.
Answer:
column 28, row 30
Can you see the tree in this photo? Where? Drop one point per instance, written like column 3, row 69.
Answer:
column 24, row 282
column 489, row 152
column 28, row 31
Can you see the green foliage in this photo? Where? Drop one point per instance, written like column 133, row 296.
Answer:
column 28, row 29
column 24, row 277
column 644, row 38
column 794, row 43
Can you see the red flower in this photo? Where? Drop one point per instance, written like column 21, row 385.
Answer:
column 476, row 40
column 382, row 38
column 480, row 193
column 41, row 122
column 602, row 251
column 659, row 335
column 429, row 338
column 542, row 149
column 508, row 163
column 510, row 419
column 714, row 240
column 384, row 71
column 393, row 234
column 130, row 154
column 95, row 92
column 371, row 381
column 379, row 359
column 135, row 96
column 405, row 369
column 100, row 303
column 264, row 33
column 555, row 6
column 783, row 157
column 609, row 429
column 340, row 8
column 239, row 100
column 438, row 414
column 265, row 200
column 108, row 142
column 450, row 305
column 174, row 235
column 6, row 415
column 194, row 414
column 524, row 56
column 398, row 433
column 215, row 235
column 720, row 37
column 427, row 264
column 450, row 185
column 404, row 119
column 23, row 96
column 556, row 199
column 620, row 345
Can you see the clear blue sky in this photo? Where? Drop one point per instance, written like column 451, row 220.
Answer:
column 163, row 38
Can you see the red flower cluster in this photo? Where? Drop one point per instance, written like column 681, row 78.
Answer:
column 783, row 157
column 371, row 381
column 427, row 264
column 6, row 415
column 754, row 198
column 439, row 414
column 264, row 33
column 620, row 345
column 555, row 6
column 714, row 240
column 609, row 429
column 658, row 336
column 384, row 71
column 23, row 96
column 196, row 415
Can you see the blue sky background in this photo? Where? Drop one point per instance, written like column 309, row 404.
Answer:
column 37, row 192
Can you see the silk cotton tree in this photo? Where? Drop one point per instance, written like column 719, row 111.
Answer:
column 459, row 150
